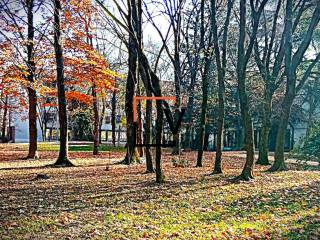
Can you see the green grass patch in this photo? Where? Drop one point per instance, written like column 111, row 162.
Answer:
column 46, row 146
column 89, row 148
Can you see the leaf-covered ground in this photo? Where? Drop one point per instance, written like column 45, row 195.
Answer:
column 121, row 202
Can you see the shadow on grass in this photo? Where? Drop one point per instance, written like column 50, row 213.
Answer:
column 308, row 228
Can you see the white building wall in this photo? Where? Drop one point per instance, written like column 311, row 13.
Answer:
column 22, row 130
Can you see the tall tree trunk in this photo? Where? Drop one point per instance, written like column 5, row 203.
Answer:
column 139, row 126
column 202, row 123
column 218, row 160
column 242, row 61
column 312, row 102
column 190, row 107
column 32, row 95
column 263, row 158
column 177, row 78
column 96, row 120
column 102, row 116
column 189, row 123
column 207, row 63
column 146, row 79
column 62, row 103
column 269, row 77
column 159, row 125
column 113, row 117
column 148, row 127
column 221, row 62
column 134, row 23
column 239, row 129
column 279, row 164
column 153, row 82
column 247, row 172
column 292, row 61
column 193, row 62
column 4, row 120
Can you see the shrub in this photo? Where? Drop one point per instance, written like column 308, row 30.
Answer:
column 308, row 148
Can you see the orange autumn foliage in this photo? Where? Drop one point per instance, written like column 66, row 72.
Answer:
column 11, row 80
column 85, row 67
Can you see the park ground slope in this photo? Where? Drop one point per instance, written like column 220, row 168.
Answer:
column 121, row 202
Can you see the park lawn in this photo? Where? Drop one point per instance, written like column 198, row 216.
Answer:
column 121, row 202
column 85, row 147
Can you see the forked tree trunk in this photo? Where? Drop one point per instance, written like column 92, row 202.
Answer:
column 62, row 103
column 221, row 61
column 270, row 77
column 292, row 61
column 32, row 95
column 242, row 62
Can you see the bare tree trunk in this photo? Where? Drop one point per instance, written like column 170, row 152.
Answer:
column 207, row 63
column 190, row 107
column 242, row 62
column 113, row 117
column 239, row 131
column 189, row 123
column 270, row 77
column 177, row 82
column 62, row 103
column 279, row 164
column 218, row 160
column 159, row 125
column 131, row 79
column 311, row 110
column 264, row 134
column 96, row 121
column 4, row 120
column 221, row 62
column 247, row 172
column 146, row 79
column 139, row 127
column 102, row 115
column 292, row 61
column 32, row 95
column 193, row 62
column 153, row 82
column 203, row 119
column 148, row 126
